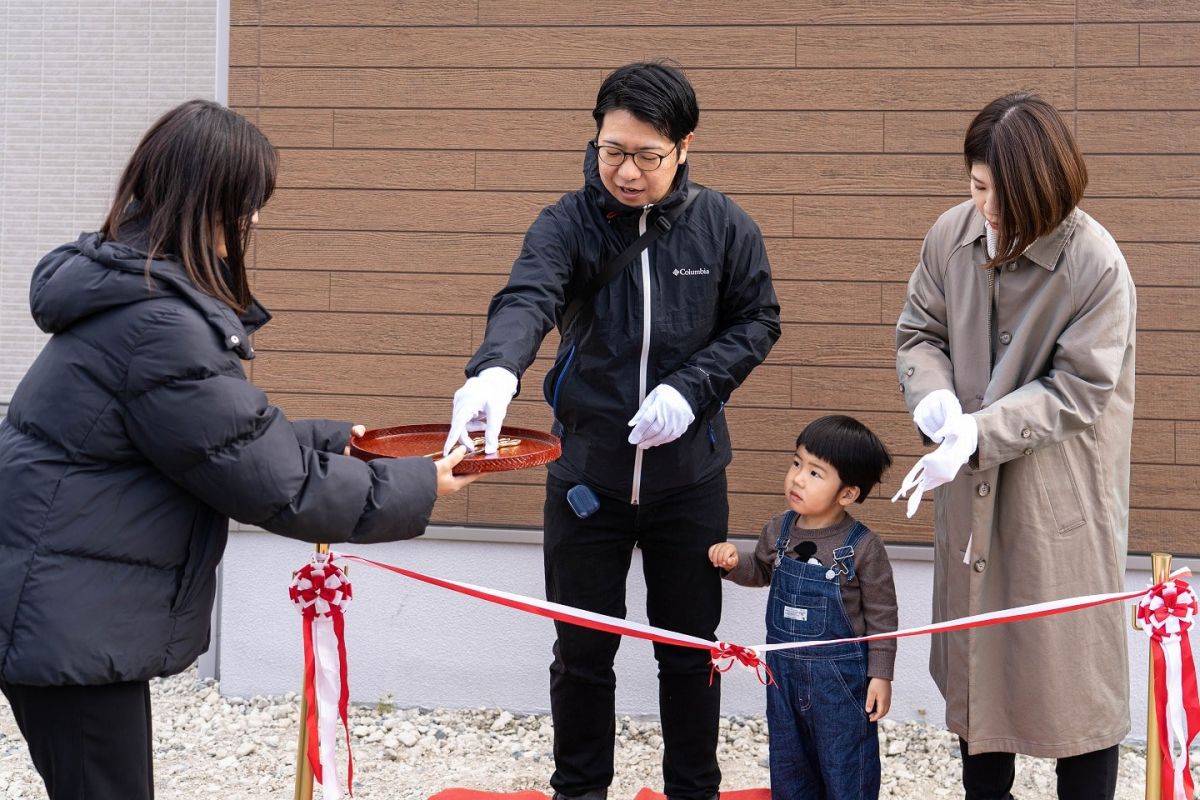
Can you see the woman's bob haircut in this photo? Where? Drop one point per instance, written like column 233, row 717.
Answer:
column 200, row 169
column 1037, row 172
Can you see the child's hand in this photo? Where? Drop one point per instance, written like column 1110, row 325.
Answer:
column 723, row 555
column 879, row 698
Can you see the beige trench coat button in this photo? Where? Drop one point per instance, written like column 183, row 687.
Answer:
column 984, row 490
column 1026, row 433
column 1028, row 451
column 1005, row 337
column 910, row 371
column 980, row 565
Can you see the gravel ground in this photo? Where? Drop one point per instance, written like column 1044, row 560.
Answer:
column 206, row 745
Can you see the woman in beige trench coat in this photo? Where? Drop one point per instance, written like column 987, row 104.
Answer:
column 1015, row 349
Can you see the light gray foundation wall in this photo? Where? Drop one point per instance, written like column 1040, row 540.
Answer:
column 80, row 80
column 429, row 647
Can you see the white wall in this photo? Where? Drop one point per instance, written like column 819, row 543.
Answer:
column 80, row 80
column 430, row 647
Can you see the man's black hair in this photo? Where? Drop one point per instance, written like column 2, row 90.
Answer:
column 849, row 446
column 654, row 93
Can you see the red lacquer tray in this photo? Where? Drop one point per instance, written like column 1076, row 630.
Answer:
column 536, row 448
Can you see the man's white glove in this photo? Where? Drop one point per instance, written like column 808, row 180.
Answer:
column 934, row 411
column 663, row 417
column 481, row 404
column 959, row 437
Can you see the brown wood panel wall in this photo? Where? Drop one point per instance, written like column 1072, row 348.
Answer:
column 419, row 139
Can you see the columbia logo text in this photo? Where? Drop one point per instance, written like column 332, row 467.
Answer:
column 689, row 271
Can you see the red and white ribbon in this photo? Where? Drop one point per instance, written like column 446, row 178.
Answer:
column 321, row 594
column 1032, row 611
column 1166, row 610
column 725, row 654
column 1166, row 613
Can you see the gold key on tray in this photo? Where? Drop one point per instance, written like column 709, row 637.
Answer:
column 478, row 448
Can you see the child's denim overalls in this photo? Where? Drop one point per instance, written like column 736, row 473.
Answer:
column 822, row 744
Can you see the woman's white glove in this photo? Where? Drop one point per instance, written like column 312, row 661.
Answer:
column 480, row 404
column 663, row 417
column 934, row 411
column 959, row 437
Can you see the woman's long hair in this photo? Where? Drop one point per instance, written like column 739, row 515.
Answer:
column 1037, row 171
column 200, row 168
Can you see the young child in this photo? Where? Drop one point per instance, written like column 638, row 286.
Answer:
column 830, row 579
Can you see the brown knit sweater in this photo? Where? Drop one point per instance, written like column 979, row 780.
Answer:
column 870, row 599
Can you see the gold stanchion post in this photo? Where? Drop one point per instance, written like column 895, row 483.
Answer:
column 1160, row 568
column 304, row 775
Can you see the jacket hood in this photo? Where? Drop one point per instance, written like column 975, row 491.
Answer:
column 91, row 275
column 611, row 205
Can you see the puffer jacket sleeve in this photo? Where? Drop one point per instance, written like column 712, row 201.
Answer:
column 523, row 312
column 749, row 321
column 212, row 432
column 327, row 435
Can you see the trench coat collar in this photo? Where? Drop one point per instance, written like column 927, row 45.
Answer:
column 1044, row 252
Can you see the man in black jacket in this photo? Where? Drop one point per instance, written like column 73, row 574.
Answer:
column 638, row 387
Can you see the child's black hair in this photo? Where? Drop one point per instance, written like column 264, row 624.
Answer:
column 849, row 446
column 655, row 93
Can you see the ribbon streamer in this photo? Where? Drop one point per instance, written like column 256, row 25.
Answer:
column 1166, row 613
column 321, row 594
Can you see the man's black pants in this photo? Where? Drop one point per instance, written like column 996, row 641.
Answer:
column 587, row 561
column 88, row 741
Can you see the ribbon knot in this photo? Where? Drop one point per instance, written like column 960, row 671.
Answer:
column 320, row 589
column 726, row 654
column 1166, row 611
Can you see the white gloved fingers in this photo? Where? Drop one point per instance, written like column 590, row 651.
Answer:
column 458, row 428
column 491, row 430
column 655, row 438
column 934, row 411
column 643, row 427
column 662, row 418
column 961, row 436
column 481, row 404
column 915, row 483
column 911, row 480
column 914, row 501
column 647, row 415
column 666, row 436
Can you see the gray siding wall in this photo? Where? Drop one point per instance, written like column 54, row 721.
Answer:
column 80, row 80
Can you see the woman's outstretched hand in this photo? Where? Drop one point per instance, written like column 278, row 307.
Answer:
column 447, row 481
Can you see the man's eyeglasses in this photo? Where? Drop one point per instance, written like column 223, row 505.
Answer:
column 643, row 160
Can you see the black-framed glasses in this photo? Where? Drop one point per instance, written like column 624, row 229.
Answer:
column 643, row 159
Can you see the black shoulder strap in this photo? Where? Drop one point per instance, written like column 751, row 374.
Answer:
column 615, row 266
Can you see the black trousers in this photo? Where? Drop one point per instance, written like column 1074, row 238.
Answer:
column 1089, row 776
column 88, row 742
column 587, row 561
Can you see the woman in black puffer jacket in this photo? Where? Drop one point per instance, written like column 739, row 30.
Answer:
column 135, row 437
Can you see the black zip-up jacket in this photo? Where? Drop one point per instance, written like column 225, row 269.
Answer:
column 129, row 444
column 713, row 317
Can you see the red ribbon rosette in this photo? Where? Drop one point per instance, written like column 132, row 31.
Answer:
column 322, row 593
column 1166, row 612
